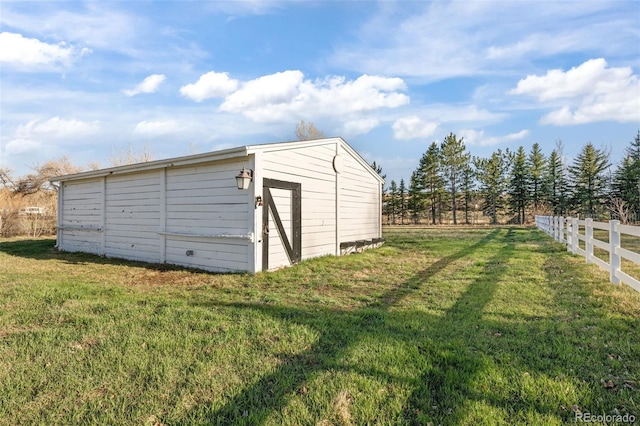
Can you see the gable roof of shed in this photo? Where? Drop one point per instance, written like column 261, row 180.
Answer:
column 208, row 157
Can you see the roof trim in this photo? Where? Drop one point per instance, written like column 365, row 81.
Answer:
column 207, row 157
column 362, row 161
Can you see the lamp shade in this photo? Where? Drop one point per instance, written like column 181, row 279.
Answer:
column 244, row 178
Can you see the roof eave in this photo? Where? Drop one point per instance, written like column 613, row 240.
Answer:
column 158, row 164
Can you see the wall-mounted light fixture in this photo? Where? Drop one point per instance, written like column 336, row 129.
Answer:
column 244, row 178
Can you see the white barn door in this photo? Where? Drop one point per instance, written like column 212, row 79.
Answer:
column 282, row 224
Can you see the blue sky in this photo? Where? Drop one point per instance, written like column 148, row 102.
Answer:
column 89, row 79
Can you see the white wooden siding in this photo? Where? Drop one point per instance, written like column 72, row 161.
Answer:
column 229, row 255
column 133, row 216
column 82, row 216
column 204, row 200
column 359, row 207
column 312, row 167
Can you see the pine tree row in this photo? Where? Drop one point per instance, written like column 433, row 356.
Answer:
column 451, row 186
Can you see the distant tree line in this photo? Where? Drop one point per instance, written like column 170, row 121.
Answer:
column 449, row 185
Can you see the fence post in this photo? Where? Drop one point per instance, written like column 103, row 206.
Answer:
column 588, row 228
column 614, row 258
column 561, row 228
column 574, row 235
column 548, row 225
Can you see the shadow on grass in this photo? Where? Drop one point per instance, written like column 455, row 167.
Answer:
column 455, row 349
column 44, row 249
column 440, row 389
column 41, row 248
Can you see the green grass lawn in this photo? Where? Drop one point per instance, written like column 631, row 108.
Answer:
column 442, row 326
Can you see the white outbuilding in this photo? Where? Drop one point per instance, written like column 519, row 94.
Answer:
column 298, row 200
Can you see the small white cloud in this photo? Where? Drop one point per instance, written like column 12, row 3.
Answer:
column 243, row 8
column 533, row 45
column 148, row 85
column 360, row 127
column 157, row 128
column 413, row 127
column 591, row 92
column 57, row 127
column 444, row 113
column 477, row 138
column 210, row 85
column 519, row 135
column 23, row 52
column 472, row 137
column 22, row 146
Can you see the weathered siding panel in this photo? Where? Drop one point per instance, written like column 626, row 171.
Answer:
column 206, row 214
column 133, row 216
column 82, row 216
column 312, row 167
column 211, row 254
column 358, row 201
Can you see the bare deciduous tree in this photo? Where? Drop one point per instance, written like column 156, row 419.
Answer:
column 305, row 132
column 130, row 155
column 6, row 181
column 620, row 209
column 28, row 203
column 93, row 165
column 37, row 181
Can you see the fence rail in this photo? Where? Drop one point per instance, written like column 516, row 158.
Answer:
column 567, row 230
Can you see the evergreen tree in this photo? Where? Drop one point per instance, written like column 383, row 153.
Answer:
column 491, row 173
column 589, row 180
column 556, row 181
column 468, row 185
column 402, row 202
column 430, row 179
column 536, row 164
column 392, row 203
column 414, row 197
column 626, row 183
column 518, row 185
column 378, row 169
column 454, row 159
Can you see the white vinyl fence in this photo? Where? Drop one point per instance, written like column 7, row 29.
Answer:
column 567, row 230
